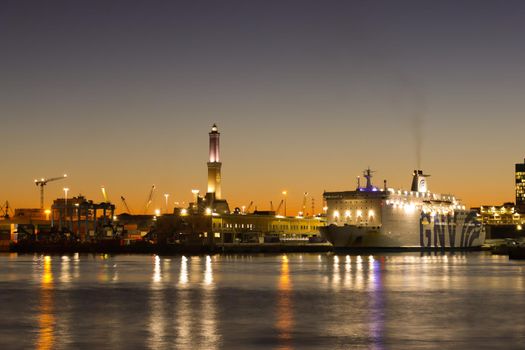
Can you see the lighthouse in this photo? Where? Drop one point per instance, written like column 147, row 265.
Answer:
column 214, row 164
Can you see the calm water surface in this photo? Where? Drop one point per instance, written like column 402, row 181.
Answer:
column 293, row 301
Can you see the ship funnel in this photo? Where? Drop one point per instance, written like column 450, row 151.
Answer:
column 419, row 181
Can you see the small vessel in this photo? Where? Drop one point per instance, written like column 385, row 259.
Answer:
column 370, row 217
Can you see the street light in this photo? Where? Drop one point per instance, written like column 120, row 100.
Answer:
column 65, row 202
column 284, row 194
column 166, row 196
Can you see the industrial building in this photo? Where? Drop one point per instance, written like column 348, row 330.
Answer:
column 84, row 218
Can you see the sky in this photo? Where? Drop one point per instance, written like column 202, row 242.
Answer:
column 306, row 94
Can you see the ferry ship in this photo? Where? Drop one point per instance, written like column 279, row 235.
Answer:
column 370, row 217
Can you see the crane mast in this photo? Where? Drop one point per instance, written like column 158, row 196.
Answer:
column 104, row 194
column 42, row 183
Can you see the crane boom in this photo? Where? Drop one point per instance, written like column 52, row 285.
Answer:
column 42, row 182
column 5, row 210
column 150, row 199
column 279, row 206
column 104, row 193
column 125, row 204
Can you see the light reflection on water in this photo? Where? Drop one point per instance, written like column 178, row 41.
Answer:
column 46, row 316
column 183, row 314
column 291, row 301
column 285, row 321
column 210, row 337
column 195, row 318
column 157, row 320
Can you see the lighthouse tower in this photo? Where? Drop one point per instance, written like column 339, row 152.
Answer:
column 214, row 164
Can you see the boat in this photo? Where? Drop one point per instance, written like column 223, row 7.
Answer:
column 385, row 218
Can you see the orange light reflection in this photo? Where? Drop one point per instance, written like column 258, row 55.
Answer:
column 46, row 318
column 285, row 320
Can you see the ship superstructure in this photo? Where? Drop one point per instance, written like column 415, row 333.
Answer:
column 370, row 217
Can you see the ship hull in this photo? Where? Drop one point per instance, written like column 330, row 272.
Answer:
column 416, row 232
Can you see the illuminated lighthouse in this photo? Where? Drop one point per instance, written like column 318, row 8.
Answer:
column 214, row 164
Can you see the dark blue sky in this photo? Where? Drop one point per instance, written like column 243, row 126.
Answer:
column 305, row 93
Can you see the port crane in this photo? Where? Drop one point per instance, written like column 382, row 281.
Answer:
column 43, row 182
column 104, row 194
column 279, row 206
column 5, row 209
column 125, row 204
column 150, row 199
column 249, row 207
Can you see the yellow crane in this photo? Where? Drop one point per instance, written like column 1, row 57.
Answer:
column 43, row 182
column 104, row 194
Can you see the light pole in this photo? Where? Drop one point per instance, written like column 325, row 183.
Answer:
column 65, row 203
column 166, row 196
column 284, row 194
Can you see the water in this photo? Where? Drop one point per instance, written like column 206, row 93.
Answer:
column 294, row 301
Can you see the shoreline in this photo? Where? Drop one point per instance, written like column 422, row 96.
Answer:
column 115, row 247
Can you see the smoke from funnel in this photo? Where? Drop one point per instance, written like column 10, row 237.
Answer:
column 411, row 102
column 417, row 128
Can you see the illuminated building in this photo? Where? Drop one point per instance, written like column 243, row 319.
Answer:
column 208, row 219
column 520, row 187
column 501, row 221
column 257, row 227
column 24, row 222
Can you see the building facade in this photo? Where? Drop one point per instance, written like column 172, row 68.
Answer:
column 501, row 221
column 238, row 228
column 520, row 187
